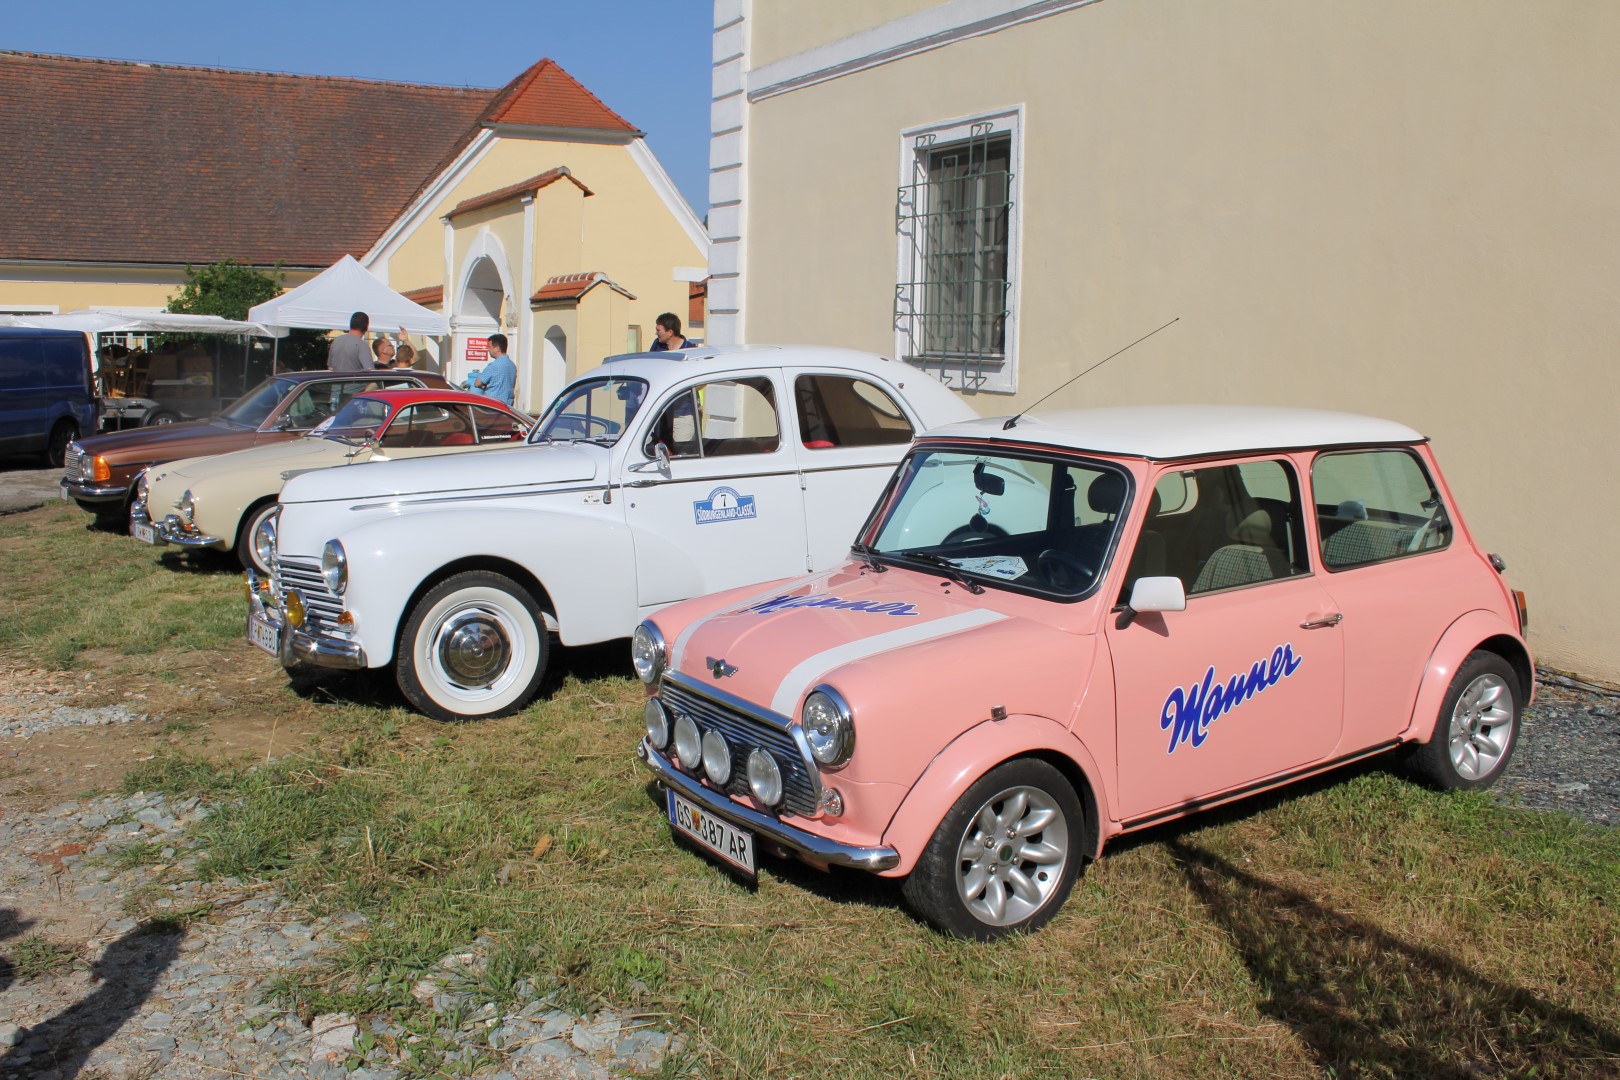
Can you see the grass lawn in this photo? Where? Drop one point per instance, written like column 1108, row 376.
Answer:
column 1361, row 926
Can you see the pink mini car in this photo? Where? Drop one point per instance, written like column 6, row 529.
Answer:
column 1055, row 630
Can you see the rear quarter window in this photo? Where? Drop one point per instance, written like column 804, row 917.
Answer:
column 1373, row 506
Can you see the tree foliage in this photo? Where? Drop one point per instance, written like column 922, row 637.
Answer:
column 227, row 288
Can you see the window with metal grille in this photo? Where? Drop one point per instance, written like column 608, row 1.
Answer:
column 953, row 299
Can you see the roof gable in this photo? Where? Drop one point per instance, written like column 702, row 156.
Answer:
column 547, row 96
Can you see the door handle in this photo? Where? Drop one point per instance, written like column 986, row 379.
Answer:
column 1328, row 620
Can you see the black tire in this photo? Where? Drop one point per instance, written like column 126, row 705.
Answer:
column 1476, row 729
column 502, row 654
column 161, row 418
column 56, row 444
column 245, row 551
column 1029, row 891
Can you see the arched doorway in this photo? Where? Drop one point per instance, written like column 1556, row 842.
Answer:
column 554, row 363
column 481, row 305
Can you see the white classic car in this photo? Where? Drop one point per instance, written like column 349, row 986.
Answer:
column 653, row 478
column 222, row 500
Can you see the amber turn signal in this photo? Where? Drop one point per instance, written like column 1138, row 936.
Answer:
column 1524, row 610
column 99, row 469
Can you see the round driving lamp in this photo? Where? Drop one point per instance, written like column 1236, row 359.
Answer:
column 828, row 727
column 716, row 758
column 764, row 777
column 647, row 653
column 187, row 506
column 264, row 539
column 335, row 567
column 688, row 743
column 657, row 723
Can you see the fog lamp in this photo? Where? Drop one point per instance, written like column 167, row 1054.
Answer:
column 764, row 777
column 295, row 608
column 688, row 743
column 657, row 723
column 716, row 758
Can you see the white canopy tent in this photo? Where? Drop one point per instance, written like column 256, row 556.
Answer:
column 326, row 301
column 113, row 321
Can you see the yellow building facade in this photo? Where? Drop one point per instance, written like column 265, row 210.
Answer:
column 1395, row 209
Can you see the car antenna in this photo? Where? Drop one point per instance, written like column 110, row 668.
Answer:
column 1012, row 420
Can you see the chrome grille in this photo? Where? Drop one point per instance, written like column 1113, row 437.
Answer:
column 73, row 463
column 800, row 785
column 305, row 576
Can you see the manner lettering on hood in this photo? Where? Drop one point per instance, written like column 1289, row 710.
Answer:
column 787, row 602
column 1188, row 713
column 724, row 504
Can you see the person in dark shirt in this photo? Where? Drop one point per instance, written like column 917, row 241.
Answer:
column 668, row 332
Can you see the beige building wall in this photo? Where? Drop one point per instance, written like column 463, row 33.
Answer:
column 68, row 288
column 783, row 28
column 1404, row 210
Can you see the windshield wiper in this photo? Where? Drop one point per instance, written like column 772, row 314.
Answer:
column 952, row 571
column 867, row 554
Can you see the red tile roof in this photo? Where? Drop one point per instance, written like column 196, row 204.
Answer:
column 113, row 161
column 566, row 288
column 432, row 294
column 547, row 96
column 522, row 187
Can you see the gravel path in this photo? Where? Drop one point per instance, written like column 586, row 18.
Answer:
column 1568, row 757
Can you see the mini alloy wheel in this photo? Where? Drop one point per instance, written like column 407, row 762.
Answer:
column 1477, row 728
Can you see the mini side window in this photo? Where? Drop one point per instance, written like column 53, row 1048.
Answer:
column 1376, row 505
column 835, row 411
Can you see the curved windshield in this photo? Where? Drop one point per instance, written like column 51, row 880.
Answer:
column 1041, row 524
column 359, row 419
column 253, row 407
column 596, row 410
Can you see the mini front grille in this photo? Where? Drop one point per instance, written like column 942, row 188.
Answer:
column 73, row 463
column 305, row 576
column 800, row 785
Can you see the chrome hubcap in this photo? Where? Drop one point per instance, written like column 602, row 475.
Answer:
column 1012, row 856
column 1481, row 727
column 472, row 647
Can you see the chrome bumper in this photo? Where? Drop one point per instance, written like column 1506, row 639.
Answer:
column 83, row 492
column 814, row 849
column 138, row 516
column 170, row 531
column 299, row 645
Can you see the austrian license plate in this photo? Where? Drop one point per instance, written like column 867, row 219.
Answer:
column 727, row 842
column 265, row 634
column 144, row 533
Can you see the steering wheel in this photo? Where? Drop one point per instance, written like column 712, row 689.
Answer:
column 1064, row 571
column 976, row 529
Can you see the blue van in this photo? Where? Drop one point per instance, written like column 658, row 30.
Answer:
column 47, row 391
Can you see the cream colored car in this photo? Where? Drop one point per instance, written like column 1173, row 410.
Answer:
column 224, row 501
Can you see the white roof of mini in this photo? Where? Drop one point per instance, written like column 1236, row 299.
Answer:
column 1178, row 431
column 678, row 363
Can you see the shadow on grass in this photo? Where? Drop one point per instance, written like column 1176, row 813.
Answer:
column 128, row 970
column 11, row 924
column 1368, row 1003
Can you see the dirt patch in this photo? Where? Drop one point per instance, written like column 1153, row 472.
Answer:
column 224, row 705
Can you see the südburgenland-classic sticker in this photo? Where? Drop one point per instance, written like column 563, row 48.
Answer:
column 724, row 504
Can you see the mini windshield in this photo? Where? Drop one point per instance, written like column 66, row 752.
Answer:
column 1027, row 523
column 597, row 410
column 255, row 406
column 360, row 418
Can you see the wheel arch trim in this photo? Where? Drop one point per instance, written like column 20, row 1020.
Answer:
column 1476, row 630
column 974, row 753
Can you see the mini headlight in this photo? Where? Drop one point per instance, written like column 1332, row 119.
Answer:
column 647, row 653
column 764, row 777
column 335, row 567
column 657, row 723
column 688, row 743
column 716, row 758
column 829, row 727
column 187, row 506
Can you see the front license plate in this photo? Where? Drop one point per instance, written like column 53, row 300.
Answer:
column 265, row 634
column 728, row 843
column 144, row 533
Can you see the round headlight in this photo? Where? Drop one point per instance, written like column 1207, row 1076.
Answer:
column 764, row 777
column 335, row 567
column 264, row 538
column 657, row 723
column 647, row 653
column 829, row 727
column 187, row 505
column 688, row 742
column 716, row 758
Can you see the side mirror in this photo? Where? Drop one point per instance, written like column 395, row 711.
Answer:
column 1158, row 594
column 661, row 453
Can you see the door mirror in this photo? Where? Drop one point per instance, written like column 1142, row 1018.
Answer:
column 661, row 454
column 1158, row 594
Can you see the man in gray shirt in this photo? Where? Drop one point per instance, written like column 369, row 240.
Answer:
column 349, row 352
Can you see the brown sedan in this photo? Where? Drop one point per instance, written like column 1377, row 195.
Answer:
column 100, row 471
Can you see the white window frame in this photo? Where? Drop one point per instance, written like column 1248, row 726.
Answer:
column 972, row 376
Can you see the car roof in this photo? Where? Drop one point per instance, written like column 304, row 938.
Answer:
column 376, row 373
column 678, row 363
column 1182, row 431
column 415, row 395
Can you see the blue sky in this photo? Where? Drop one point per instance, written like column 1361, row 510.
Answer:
column 647, row 59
